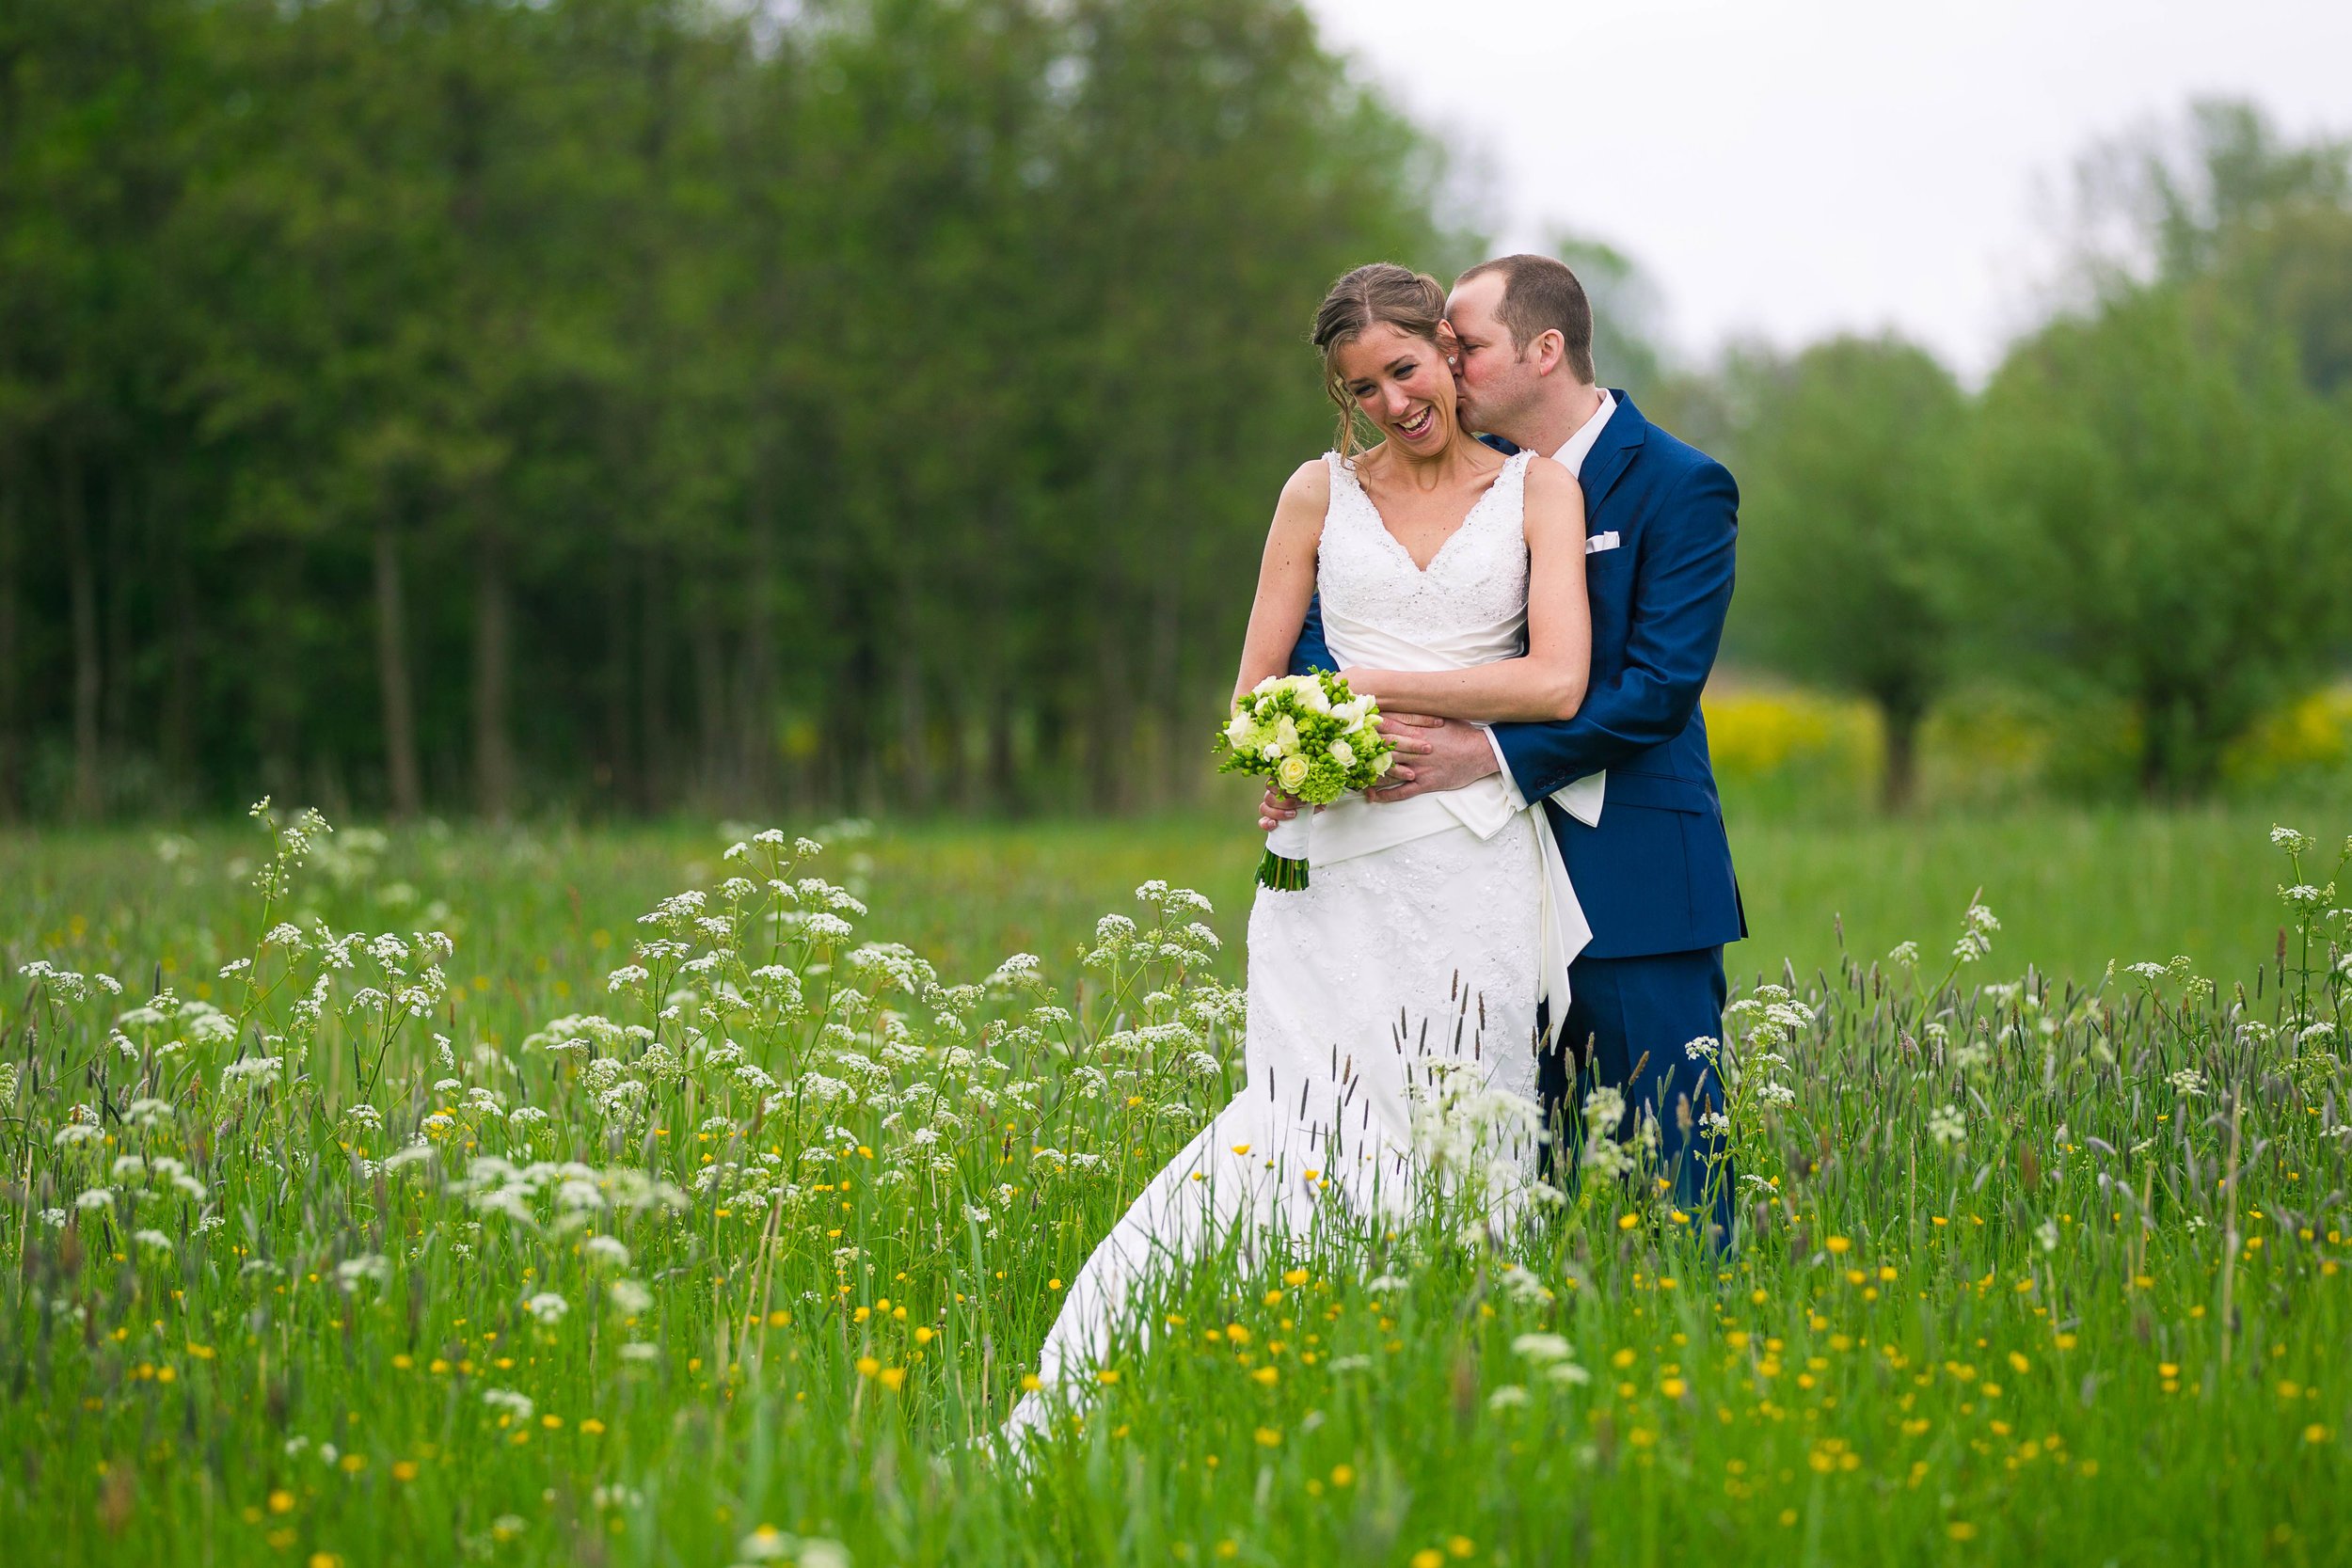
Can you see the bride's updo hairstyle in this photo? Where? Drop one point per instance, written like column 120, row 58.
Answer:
column 1381, row 294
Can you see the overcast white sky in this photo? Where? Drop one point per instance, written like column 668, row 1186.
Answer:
column 1793, row 166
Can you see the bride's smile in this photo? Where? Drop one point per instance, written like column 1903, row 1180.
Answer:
column 1401, row 384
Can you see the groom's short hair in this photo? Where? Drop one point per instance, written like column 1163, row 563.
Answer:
column 1540, row 296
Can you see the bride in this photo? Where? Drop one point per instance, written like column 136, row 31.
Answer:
column 1452, row 583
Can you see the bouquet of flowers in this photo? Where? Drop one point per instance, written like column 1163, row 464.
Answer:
column 1316, row 740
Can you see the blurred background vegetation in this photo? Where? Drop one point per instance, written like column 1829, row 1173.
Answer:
column 627, row 407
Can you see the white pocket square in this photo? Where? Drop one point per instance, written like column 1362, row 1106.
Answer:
column 1597, row 543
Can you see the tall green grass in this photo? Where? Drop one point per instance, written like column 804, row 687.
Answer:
column 2035, row 1263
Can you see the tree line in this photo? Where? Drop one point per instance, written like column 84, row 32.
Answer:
column 2148, row 503
column 461, row 405
column 626, row 406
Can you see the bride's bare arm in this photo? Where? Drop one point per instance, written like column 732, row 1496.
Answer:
column 1548, row 681
column 1286, row 576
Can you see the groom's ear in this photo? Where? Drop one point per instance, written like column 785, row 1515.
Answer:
column 1550, row 350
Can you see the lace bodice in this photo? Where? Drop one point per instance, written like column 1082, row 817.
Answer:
column 1474, row 589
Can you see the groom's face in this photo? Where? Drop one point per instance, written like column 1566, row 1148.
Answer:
column 1498, row 386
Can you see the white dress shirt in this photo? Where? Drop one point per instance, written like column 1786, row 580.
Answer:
column 1571, row 457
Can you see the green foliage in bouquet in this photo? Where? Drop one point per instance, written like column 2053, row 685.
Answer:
column 1315, row 739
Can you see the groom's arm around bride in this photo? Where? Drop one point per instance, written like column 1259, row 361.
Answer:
column 1654, row 873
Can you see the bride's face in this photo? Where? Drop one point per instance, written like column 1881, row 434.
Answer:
column 1403, row 385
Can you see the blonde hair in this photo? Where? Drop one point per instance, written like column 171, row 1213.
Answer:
column 1382, row 293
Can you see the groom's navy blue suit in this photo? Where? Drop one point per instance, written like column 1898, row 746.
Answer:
column 1655, row 877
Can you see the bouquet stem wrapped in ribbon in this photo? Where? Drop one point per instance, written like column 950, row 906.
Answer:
column 1315, row 740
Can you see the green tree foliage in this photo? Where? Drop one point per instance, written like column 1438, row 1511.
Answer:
column 1628, row 313
column 2175, row 519
column 641, row 402
column 2171, row 199
column 2221, row 202
column 2157, row 497
column 1859, row 515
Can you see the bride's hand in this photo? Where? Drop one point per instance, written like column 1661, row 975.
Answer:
column 1277, row 809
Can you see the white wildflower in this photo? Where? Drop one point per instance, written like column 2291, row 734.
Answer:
column 519, row 1406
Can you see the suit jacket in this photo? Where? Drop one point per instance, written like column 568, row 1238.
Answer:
column 1655, row 876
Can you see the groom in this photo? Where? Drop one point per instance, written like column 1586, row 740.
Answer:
column 1654, row 873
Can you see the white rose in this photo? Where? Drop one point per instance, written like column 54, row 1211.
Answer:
column 1381, row 768
column 1292, row 774
column 1342, row 754
column 1286, row 734
column 1237, row 733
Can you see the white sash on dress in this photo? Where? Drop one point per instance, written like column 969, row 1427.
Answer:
column 1352, row 825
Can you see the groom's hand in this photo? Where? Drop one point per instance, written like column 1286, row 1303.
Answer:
column 1432, row 754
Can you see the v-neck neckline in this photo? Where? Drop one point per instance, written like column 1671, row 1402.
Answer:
column 1444, row 544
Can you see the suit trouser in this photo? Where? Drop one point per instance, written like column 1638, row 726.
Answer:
column 1630, row 1021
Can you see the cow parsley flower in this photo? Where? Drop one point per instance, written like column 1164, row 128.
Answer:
column 519, row 1406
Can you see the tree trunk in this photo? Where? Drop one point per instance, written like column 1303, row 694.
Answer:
column 115, row 709
column 2173, row 759
column 493, row 747
column 391, row 667
column 914, row 740
column 613, row 775
column 706, row 657
column 756, row 691
column 1110, row 721
column 11, row 735
column 654, row 777
column 175, row 729
column 1003, row 761
column 1901, row 784
column 82, row 601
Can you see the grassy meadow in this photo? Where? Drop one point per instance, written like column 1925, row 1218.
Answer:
column 625, row 1227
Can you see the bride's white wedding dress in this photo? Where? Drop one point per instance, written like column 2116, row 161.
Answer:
column 1428, row 932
